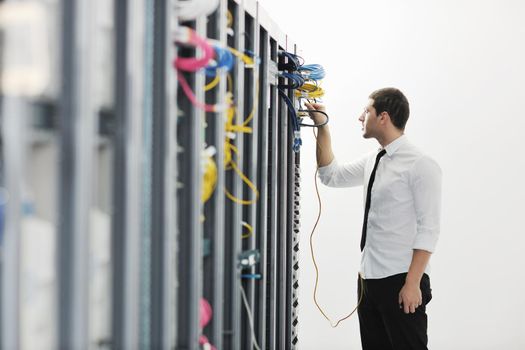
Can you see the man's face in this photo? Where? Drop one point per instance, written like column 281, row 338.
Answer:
column 369, row 120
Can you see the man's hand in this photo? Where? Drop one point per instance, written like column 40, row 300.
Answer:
column 410, row 297
column 318, row 118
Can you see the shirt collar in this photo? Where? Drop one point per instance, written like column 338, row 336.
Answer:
column 393, row 146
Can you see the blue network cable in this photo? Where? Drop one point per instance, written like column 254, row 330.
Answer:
column 296, row 80
column 312, row 71
column 250, row 53
column 297, row 142
column 294, row 61
column 223, row 58
column 297, row 74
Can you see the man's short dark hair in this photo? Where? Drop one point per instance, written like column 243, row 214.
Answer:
column 393, row 101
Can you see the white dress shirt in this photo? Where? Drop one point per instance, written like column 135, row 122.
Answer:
column 405, row 206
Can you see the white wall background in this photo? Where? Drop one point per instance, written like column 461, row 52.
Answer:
column 461, row 65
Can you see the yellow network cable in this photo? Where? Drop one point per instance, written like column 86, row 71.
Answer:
column 230, row 149
column 210, row 171
column 229, row 19
column 249, row 228
column 210, row 179
column 230, row 85
column 310, row 91
column 212, row 83
column 248, row 61
column 231, row 114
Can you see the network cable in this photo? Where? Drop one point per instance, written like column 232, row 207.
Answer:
column 249, row 62
column 188, row 36
column 229, row 19
column 296, row 80
column 297, row 142
column 210, row 174
column 313, row 254
column 250, row 318
column 310, row 90
column 293, row 63
column 229, row 148
column 312, row 71
column 224, row 59
column 249, row 228
column 230, row 164
column 303, row 113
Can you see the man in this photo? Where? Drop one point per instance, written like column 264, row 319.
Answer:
column 402, row 192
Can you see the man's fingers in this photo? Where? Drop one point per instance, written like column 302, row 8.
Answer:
column 314, row 106
column 408, row 307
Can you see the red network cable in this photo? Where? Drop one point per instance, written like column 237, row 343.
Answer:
column 186, row 35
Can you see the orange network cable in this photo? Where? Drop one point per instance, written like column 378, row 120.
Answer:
column 313, row 255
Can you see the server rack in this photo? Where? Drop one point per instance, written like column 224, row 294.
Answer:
column 169, row 250
column 267, row 159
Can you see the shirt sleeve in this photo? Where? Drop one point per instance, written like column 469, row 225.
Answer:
column 426, row 190
column 343, row 175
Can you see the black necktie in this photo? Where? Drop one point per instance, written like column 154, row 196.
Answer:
column 368, row 194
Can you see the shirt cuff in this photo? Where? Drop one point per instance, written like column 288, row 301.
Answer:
column 426, row 241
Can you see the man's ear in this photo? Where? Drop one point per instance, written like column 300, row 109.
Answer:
column 385, row 117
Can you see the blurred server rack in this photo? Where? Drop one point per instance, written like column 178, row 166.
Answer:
column 131, row 151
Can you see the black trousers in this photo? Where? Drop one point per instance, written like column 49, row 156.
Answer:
column 385, row 326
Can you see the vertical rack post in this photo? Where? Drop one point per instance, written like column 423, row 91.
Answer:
column 118, row 222
column 232, row 294
column 271, row 308
column 282, row 214
column 14, row 117
column 262, row 175
column 147, row 214
column 214, row 209
column 163, row 194
column 292, row 229
column 252, row 100
column 76, row 130
column 190, row 126
column 126, row 223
